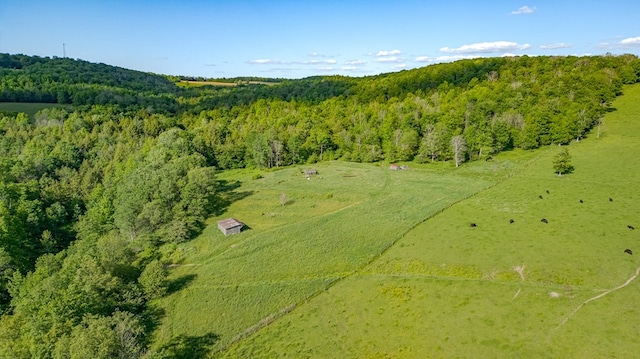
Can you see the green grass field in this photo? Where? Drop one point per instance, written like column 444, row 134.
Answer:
column 331, row 226
column 187, row 83
column 29, row 108
column 363, row 262
column 447, row 290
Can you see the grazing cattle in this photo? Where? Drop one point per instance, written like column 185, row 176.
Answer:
column 511, row 221
column 628, row 251
column 540, row 196
column 472, row 225
column 547, row 191
column 581, row 201
column 610, row 199
column 544, row 220
column 630, row 226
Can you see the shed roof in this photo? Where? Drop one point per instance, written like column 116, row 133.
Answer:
column 229, row 223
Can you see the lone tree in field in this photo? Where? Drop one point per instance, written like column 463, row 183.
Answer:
column 459, row 147
column 562, row 162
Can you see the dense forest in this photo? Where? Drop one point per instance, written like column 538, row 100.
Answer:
column 95, row 196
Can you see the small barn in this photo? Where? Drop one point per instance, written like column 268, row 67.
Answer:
column 230, row 226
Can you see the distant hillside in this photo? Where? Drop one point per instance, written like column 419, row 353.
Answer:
column 68, row 81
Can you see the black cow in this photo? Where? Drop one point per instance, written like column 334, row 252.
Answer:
column 630, row 226
column 544, row 220
column 581, row 201
column 511, row 221
column 628, row 251
column 540, row 196
column 472, row 225
column 547, row 191
column 610, row 199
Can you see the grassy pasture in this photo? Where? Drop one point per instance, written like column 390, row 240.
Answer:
column 331, row 226
column 186, row 83
column 446, row 289
column 29, row 108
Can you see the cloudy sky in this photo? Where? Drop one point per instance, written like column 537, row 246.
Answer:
column 295, row 39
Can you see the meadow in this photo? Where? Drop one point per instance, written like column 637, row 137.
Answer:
column 368, row 262
column 29, row 108
column 559, row 289
column 331, row 226
column 189, row 83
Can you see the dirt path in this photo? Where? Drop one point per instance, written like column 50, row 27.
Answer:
column 599, row 296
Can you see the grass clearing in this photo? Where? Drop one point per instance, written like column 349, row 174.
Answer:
column 29, row 108
column 331, row 226
column 187, row 83
column 447, row 289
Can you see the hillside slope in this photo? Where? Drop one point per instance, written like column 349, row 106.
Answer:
column 499, row 289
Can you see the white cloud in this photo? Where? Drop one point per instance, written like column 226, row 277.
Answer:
column 349, row 68
column 631, row 41
column 388, row 53
column 389, row 59
column 558, row 45
column 355, row 62
column 622, row 44
column 316, row 62
column 265, row 62
column 524, row 10
column 486, row 47
column 423, row 59
column 442, row 58
column 399, row 66
column 278, row 62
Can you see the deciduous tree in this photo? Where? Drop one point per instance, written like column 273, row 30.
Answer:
column 459, row 148
column 562, row 162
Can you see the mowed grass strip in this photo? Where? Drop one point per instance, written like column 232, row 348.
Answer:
column 29, row 108
column 330, row 226
column 450, row 290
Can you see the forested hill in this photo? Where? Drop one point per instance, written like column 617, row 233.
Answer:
column 95, row 197
column 67, row 81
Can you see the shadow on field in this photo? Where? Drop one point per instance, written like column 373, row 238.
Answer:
column 188, row 347
column 227, row 194
column 151, row 318
column 180, row 283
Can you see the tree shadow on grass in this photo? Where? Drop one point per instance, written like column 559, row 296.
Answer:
column 188, row 347
column 180, row 283
column 151, row 318
column 227, row 194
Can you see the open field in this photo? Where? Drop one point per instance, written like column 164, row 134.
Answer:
column 367, row 262
column 186, row 83
column 499, row 289
column 331, row 226
column 29, row 108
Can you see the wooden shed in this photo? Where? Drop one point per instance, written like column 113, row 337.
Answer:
column 230, row 226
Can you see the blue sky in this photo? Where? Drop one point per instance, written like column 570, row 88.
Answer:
column 295, row 39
